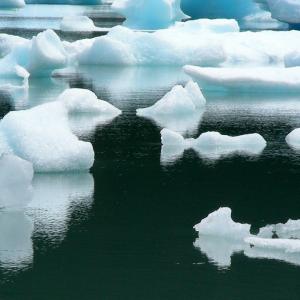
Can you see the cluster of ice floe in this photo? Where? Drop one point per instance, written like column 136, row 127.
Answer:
column 220, row 237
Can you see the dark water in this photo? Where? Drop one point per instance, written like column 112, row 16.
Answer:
column 125, row 231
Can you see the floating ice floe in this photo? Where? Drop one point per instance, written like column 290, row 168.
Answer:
column 149, row 14
column 289, row 230
column 42, row 135
column 12, row 3
column 174, row 46
column 178, row 109
column 220, row 237
column 40, row 56
column 247, row 79
column 77, row 23
column 293, row 139
column 211, row 145
column 15, row 182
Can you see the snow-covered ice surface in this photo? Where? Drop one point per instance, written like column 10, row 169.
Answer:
column 260, row 79
column 139, row 13
column 210, row 145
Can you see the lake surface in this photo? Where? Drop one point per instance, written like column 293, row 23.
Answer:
column 125, row 230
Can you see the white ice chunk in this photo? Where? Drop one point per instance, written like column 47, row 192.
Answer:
column 212, row 145
column 220, row 224
column 15, row 182
column 179, row 101
column 293, row 139
column 174, row 46
column 42, row 136
column 248, row 79
column 149, row 14
column 289, row 230
column 77, row 23
column 285, row 245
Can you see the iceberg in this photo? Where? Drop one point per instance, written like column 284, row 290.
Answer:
column 12, row 3
column 293, row 139
column 247, row 79
column 211, row 145
column 214, row 9
column 179, row 101
column 289, row 230
column 285, row 245
column 149, row 14
column 38, row 57
column 15, row 182
column 77, row 23
column 175, row 46
column 181, row 109
column 42, row 134
column 220, row 237
column 220, row 224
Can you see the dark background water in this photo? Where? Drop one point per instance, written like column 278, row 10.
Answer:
column 134, row 238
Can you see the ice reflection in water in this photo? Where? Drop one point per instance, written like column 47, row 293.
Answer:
column 16, row 248
column 55, row 199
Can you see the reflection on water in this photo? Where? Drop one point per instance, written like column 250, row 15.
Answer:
column 16, row 249
column 55, row 198
column 58, row 200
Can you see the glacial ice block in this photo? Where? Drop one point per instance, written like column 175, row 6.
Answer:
column 247, row 79
column 220, row 224
column 42, row 136
column 285, row 245
column 15, row 182
column 77, row 23
column 12, row 3
column 149, row 14
column 179, row 101
column 214, row 9
column 39, row 56
column 293, row 139
column 212, row 145
column 289, row 230
column 174, row 46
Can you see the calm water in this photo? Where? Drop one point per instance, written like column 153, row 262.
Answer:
column 125, row 230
